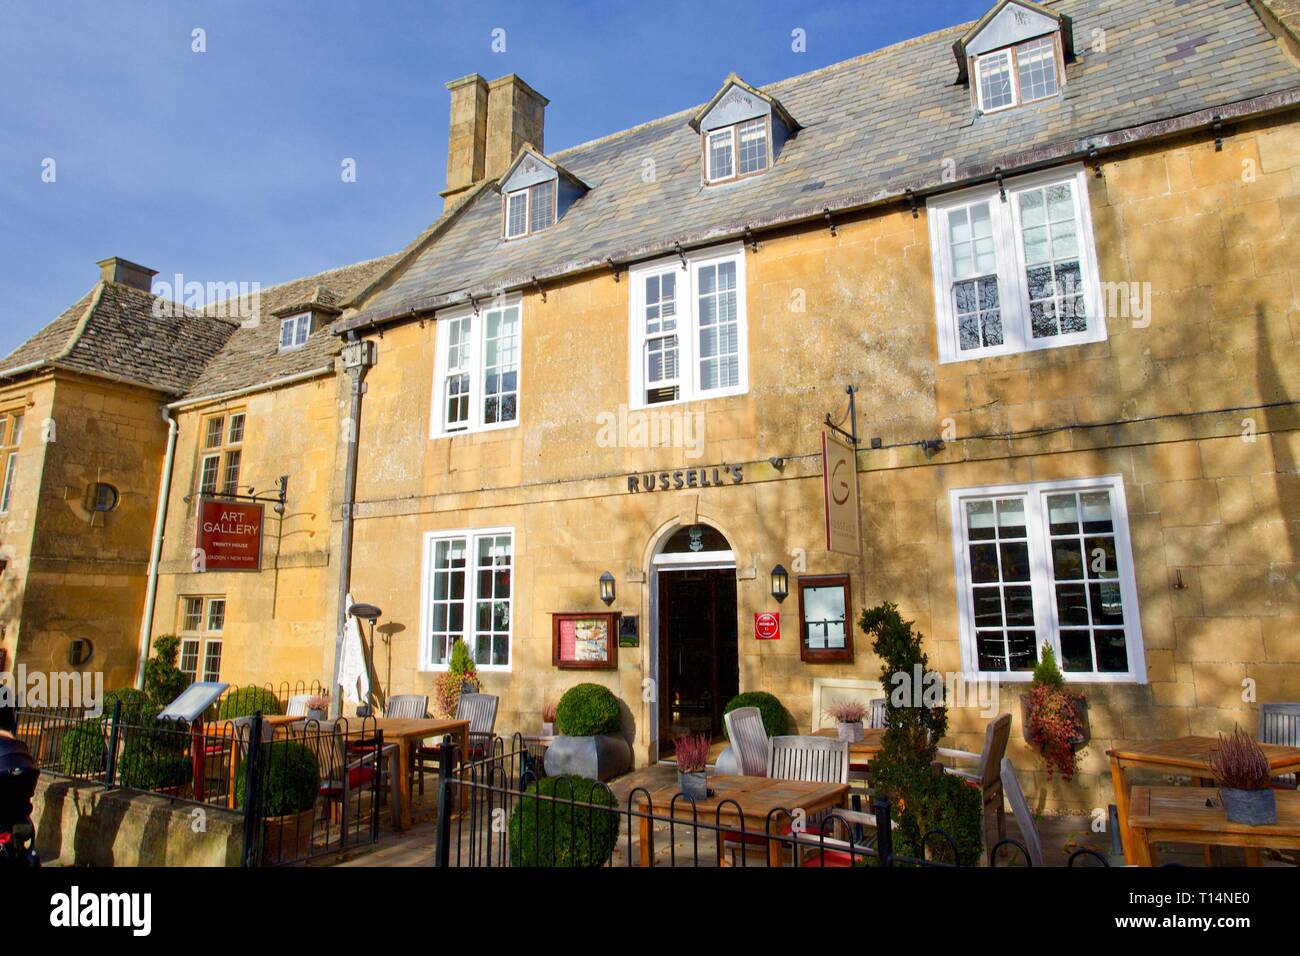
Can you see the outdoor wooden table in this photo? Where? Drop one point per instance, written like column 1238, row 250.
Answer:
column 1196, row 815
column 1189, row 756
column 869, row 747
column 407, row 733
column 756, row 797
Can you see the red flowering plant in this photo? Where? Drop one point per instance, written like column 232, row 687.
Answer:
column 460, row 677
column 1053, row 718
column 693, row 752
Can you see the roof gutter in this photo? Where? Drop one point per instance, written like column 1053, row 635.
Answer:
column 248, row 390
column 1088, row 147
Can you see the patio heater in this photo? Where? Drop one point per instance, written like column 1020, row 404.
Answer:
column 370, row 614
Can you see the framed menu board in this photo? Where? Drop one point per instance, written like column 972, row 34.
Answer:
column 585, row 641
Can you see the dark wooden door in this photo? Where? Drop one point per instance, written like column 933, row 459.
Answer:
column 698, row 656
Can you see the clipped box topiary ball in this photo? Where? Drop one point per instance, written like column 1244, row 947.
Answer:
column 581, row 833
column 588, row 710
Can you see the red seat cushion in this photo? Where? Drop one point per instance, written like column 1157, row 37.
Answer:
column 832, row 858
column 356, row 777
column 754, row 837
column 433, row 750
column 860, row 767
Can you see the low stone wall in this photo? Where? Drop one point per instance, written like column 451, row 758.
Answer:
column 85, row 824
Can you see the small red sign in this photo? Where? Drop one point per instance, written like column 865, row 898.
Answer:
column 229, row 536
column 767, row 626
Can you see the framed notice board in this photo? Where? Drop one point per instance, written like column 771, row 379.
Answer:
column 587, row 641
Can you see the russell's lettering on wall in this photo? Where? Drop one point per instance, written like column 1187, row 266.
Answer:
column 710, row 477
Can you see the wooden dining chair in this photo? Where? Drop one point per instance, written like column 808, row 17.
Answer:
column 1280, row 724
column 876, row 717
column 297, row 706
column 987, row 775
column 411, row 706
column 809, row 759
column 749, row 741
column 860, row 771
column 346, row 772
column 481, row 712
column 1030, row 843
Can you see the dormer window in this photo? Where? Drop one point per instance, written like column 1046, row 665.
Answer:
column 535, row 194
column 742, row 131
column 530, row 210
column 1019, row 74
column 294, row 331
column 1015, row 54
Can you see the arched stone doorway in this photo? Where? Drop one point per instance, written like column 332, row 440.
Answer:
column 696, row 654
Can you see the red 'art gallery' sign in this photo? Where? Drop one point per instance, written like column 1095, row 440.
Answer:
column 229, row 536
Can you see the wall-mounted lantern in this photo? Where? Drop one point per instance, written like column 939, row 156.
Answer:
column 780, row 583
column 607, row 588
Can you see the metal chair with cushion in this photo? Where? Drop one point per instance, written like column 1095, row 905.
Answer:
column 749, row 741
column 987, row 777
column 1030, row 843
column 1280, row 724
column 413, row 706
column 481, row 712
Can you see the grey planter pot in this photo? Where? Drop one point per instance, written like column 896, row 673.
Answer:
column 1255, row 808
column 597, row 758
column 851, row 731
column 548, row 730
column 694, row 785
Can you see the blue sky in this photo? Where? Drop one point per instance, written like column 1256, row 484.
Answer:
column 225, row 165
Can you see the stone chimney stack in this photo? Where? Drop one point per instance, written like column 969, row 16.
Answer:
column 489, row 122
column 124, row 272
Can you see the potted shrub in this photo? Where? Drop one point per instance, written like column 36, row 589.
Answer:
column 849, row 714
column 247, row 701
column 579, row 827
column 163, row 680
column 289, row 785
column 83, row 751
column 548, row 718
column 318, row 706
column 776, row 719
column 1242, row 770
column 588, row 718
column 692, row 765
column 460, row 677
column 921, row 799
column 1055, row 721
column 155, row 759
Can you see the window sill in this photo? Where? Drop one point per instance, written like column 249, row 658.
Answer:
column 633, row 406
column 1078, row 338
column 505, row 426
column 1026, row 677
column 478, row 668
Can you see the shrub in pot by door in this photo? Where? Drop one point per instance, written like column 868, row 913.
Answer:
column 1055, row 720
column 1241, row 767
column 589, row 744
column 461, row 677
column 290, row 784
column 692, row 765
column 849, row 715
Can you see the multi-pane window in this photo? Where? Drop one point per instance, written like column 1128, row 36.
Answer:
column 457, row 379
column 1017, row 74
column 661, row 349
column 734, row 151
column 221, row 456
column 688, row 328
column 529, row 210
column 203, row 619
column 1015, row 274
column 1047, row 564
column 294, row 331
column 469, row 589
column 478, row 370
column 11, row 436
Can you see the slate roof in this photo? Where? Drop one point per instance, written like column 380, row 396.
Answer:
column 251, row 357
column 116, row 331
column 874, row 127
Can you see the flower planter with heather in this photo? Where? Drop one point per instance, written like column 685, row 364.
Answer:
column 849, row 715
column 318, row 707
column 692, row 765
column 1055, row 721
column 548, row 719
column 1241, row 767
column 461, row 677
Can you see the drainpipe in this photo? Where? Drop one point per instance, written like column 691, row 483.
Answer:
column 159, row 524
column 358, row 357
